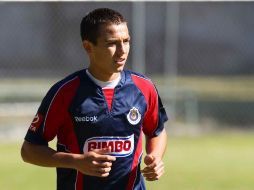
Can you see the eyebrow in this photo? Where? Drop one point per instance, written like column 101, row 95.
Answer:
column 116, row 39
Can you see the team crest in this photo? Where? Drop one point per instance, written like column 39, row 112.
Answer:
column 134, row 116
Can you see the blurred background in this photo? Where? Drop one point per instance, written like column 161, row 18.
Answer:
column 198, row 54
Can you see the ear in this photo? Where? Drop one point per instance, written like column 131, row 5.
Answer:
column 87, row 46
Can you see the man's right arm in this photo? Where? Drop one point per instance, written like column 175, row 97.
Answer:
column 94, row 163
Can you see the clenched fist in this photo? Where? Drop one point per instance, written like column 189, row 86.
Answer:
column 154, row 168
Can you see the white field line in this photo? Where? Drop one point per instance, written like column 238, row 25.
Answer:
column 18, row 109
column 14, row 129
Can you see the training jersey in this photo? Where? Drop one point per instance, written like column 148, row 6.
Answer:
column 75, row 111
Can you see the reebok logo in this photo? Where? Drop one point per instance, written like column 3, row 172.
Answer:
column 86, row 119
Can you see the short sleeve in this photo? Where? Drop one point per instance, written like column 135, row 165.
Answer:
column 162, row 118
column 48, row 118
column 155, row 116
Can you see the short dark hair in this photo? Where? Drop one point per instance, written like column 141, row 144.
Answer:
column 90, row 24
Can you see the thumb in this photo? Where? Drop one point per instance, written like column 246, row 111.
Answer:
column 149, row 159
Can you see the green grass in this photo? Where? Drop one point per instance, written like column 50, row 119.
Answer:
column 17, row 175
column 215, row 162
column 207, row 162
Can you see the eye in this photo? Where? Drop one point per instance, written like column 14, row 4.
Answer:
column 111, row 43
column 126, row 41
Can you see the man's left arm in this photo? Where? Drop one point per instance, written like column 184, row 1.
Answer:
column 155, row 149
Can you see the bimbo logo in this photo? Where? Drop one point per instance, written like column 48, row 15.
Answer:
column 120, row 146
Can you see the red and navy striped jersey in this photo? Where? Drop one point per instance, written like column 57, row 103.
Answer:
column 76, row 111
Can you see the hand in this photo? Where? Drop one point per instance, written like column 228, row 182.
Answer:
column 95, row 163
column 154, row 168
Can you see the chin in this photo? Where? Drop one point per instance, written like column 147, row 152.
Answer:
column 120, row 68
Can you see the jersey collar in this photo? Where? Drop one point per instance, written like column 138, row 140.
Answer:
column 87, row 78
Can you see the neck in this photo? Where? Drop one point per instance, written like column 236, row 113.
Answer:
column 105, row 77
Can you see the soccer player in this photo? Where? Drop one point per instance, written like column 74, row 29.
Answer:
column 98, row 116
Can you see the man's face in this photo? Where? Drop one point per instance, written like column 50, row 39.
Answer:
column 108, row 56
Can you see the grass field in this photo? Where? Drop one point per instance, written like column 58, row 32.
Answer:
column 221, row 161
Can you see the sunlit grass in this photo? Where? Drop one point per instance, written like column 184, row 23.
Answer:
column 17, row 175
column 206, row 162
column 214, row 162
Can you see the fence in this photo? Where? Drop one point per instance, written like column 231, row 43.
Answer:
column 177, row 44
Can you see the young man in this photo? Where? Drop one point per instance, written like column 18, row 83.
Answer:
column 98, row 115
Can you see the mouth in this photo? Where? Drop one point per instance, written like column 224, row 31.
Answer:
column 120, row 61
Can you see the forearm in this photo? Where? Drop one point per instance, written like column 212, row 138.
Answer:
column 94, row 163
column 155, row 149
column 157, row 145
column 46, row 156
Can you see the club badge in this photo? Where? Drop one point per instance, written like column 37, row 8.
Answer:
column 134, row 116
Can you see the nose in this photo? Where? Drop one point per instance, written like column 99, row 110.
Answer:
column 121, row 48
